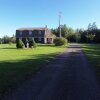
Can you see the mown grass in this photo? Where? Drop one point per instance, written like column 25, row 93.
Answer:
column 92, row 52
column 18, row 65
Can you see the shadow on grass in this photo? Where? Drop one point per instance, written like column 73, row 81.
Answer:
column 12, row 74
column 46, row 45
column 50, row 45
column 74, row 46
column 8, row 48
column 92, row 51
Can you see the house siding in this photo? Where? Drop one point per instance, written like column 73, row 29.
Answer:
column 40, row 35
column 37, row 40
column 35, row 33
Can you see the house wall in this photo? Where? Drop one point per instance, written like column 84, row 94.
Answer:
column 35, row 33
column 37, row 40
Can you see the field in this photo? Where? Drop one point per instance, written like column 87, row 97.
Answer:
column 18, row 65
column 92, row 52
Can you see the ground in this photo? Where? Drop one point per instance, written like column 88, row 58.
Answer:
column 18, row 65
column 68, row 77
column 92, row 52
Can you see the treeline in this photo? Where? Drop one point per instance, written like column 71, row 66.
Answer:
column 90, row 35
column 6, row 39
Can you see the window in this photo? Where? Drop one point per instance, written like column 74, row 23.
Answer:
column 39, row 39
column 30, row 32
column 21, row 32
column 20, row 38
column 30, row 39
column 39, row 32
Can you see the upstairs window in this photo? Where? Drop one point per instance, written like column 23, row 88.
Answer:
column 21, row 32
column 39, row 32
column 30, row 32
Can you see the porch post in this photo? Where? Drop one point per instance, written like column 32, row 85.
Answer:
column 45, row 40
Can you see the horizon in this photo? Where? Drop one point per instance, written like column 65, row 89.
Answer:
column 36, row 13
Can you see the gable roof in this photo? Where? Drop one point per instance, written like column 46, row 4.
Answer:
column 33, row 28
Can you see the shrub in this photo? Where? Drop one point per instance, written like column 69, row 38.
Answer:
column 20, row 44
column 10, row 43
column 60, row 41
column 32, row 44
column 25, row 41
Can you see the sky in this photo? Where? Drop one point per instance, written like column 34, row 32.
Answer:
column 16, row 14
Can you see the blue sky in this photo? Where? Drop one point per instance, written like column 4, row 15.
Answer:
column 38, row 13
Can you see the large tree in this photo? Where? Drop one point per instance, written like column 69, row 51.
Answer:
column 66, row 32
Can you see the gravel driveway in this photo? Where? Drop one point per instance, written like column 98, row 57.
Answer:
column 68, row 77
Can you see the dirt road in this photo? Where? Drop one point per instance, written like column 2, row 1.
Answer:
column 68, row 77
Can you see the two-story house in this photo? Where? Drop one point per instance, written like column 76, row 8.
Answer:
column 40, row 35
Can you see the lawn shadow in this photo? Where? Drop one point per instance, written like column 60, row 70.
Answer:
column 8, row 48
column 74, row 46
column 46, row 45
column 14, row 73
column 92, row 52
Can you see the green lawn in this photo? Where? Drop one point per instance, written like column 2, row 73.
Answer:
column 17, row 65
column 92, row 52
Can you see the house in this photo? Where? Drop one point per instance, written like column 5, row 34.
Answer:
column 40, row 34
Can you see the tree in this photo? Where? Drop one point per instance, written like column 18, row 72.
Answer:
column 89, row 27
column 94, row 26
column 20, row 44
column 32, row 44
column 6, row 39
column 13, row 39
column 55, row 31
column 77, row 35
column 59, row 41
column 0, row 40
column 66, row 32
column 91, row 37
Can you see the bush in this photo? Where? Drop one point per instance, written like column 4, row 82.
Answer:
column 60, row 41
column 32, row 44
column 20, row 44
column 25, row 41
column 10, row 43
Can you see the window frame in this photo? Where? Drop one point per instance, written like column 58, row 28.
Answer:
column 21, row 32
column 40, row 32
column 39, row 39
column 30, row 32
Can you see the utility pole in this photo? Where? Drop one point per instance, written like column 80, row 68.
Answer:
column 59, row 25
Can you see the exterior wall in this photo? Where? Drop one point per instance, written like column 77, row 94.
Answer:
column 38, row 33
column 35, row 33
column 45, row 40
column 37, row 40
column 24, row 33
column 49, row 40
column 17, row 40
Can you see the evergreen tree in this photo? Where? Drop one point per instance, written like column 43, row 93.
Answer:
column 20, row 44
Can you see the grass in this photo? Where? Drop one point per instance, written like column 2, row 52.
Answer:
column 92, row 52
column 18, row 65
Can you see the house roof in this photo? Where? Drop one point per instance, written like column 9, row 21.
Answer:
column 50, row 35
column 33, row 28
